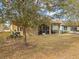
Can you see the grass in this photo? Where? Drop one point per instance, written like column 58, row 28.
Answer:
column 3, row 36
column 40, row 47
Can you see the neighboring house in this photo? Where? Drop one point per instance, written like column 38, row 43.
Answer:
column 4, row 27
column 69, row 28
column 7, row 27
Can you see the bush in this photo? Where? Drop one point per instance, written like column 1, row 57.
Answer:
column 77, row 30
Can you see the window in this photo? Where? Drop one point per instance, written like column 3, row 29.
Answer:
column 65, row 27
column 21, row 28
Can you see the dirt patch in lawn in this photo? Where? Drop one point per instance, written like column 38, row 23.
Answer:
column 43, row 47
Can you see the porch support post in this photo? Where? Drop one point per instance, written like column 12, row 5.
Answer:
column 50, row 29
column 59, row 28
column 35, row 30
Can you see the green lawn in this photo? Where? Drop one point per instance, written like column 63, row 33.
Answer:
column 41, row 47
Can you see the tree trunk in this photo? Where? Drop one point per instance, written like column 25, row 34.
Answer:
column 25, row 36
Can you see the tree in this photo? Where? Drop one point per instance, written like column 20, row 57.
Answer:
column 26, row 15
column 23, row 13
column 71, row 7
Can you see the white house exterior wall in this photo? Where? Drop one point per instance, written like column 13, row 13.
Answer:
column 77, row 28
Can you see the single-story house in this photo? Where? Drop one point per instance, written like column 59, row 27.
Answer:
column 56, row 26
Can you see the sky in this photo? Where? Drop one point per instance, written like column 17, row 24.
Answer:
column 0, row 5
column 52, row 13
